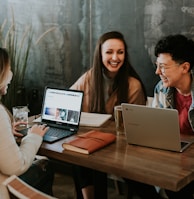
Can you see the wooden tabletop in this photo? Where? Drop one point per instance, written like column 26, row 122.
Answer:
column 169, row 170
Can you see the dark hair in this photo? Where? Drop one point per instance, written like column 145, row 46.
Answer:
column 178, row 46
column 97, row 103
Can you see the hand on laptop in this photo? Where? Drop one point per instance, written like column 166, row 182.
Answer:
column 39, row 129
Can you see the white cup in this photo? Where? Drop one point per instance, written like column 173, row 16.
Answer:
column 20, row 114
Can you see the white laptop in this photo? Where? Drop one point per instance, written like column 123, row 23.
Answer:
column 153, row 127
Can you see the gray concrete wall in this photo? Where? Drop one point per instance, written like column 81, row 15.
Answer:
column 66, row 52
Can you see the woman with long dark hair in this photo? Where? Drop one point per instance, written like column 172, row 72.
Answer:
column 109, row 82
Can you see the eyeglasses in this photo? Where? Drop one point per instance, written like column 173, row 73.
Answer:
column 164, row 67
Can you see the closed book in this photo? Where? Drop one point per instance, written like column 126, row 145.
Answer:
column 89, row 142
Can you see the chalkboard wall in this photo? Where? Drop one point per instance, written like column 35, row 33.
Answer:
column 66, row 52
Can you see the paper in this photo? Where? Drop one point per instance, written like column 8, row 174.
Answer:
column 93, row 119
column 37, row 119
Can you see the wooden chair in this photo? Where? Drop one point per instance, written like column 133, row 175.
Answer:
column 18, row 189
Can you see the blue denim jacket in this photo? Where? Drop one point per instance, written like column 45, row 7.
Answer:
column 164, row 98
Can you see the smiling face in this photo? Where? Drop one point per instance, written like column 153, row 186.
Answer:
column 171, row 73
column 113, row 55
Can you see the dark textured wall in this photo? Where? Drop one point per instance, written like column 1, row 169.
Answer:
column 66, row 52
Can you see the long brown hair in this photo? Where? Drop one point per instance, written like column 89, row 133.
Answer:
column 97, row 103
column 4, row 66
column 4, row 71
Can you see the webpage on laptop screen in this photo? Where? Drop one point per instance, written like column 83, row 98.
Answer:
column 62, row 105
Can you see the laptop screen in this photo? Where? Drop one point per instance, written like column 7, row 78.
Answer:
column 62, row 106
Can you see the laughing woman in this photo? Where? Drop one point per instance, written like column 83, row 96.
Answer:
column 111, row 81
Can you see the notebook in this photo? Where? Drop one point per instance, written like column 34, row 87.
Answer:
column 153, row 127
column 61, row 111
column 94, row 119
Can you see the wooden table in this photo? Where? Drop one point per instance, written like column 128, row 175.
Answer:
column 169, row 170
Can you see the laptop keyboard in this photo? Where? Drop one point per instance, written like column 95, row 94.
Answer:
column 56, row 132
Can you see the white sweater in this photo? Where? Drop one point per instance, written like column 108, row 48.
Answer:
column 14, row 159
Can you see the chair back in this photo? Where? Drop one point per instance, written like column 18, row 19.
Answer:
column 18, row 189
